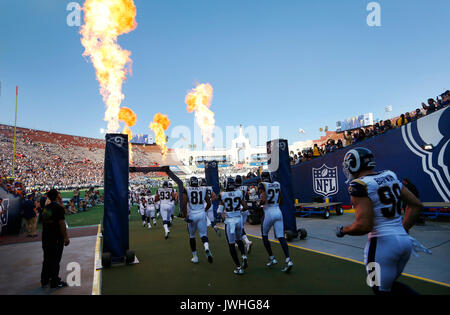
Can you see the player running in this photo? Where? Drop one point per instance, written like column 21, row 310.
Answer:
column 239, row 185
column 210, row 214
column 151, row 211
column 376, row 198
column 194, row 212
column 172, row 202
column 165, row 195
column 271, row 199
column 231, row 203
column 142, row 210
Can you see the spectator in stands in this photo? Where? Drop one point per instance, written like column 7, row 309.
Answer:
column 388, row 125
column 432, row 106
column 368, row 133
column 316, row 152
column 402, row 120
column 38, row 209
column 445, row 99
column 339, row 144
column 42, row 201
column 29, row 214
column 348, row 138
column 408, row 117
column 76, row 198
column 418, row 114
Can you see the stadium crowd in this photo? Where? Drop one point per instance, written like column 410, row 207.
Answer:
column 357, row 135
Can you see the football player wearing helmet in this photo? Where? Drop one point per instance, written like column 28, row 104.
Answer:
column 165, row 195
column 239, row 185
column 376, row 198
column 142, row 210
column 172, row 202
column 210, row 214
column 150, row 213
column 194, row 212
column 271, row 199
column 231, row 203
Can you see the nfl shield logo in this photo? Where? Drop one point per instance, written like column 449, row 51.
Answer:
column 325, row 181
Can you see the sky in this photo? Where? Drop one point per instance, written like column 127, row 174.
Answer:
column 288, row 63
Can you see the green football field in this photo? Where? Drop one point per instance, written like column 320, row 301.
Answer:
column 165, row 268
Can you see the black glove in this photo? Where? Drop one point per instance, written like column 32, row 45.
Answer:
column 339, row 232
column 188, row 220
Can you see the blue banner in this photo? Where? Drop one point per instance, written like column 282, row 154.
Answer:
column 115, row 220
column 419, row 151
column 212, row 179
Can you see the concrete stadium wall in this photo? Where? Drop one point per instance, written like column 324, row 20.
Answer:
column 399, row 150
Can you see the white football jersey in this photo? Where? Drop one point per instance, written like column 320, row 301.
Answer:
column 151, row 201
column 273, row 194
column 209, row 192
column 196, row 198
column 142, row 207
column 383, row 189
column 244, row 190
column 232, row 202
column 165, row 195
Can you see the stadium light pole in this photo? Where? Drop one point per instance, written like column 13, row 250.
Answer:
column 15, row 128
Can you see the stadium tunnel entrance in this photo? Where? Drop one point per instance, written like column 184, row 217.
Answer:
column 165, row 169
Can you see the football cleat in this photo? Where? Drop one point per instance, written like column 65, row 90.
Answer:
column 209, row 256
column 239, row 271
column 244, row 262
column 194, row 260
column 272, row 262
column 288, row 266
column 167, row 235
column 149, row 226
column 154, row 221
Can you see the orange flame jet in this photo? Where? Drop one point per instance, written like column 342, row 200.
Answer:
column 104, row 21
column 129, row 118
column 199, row 101
column 159, row 125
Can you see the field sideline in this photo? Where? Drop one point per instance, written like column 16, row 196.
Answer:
column 165, row 268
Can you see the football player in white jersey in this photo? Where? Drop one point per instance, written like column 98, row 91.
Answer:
column 172, row 203
column 376, row 198
column 194, row 212
column 238, row 183
column 165, row 195
column 150, row 210
column 231, row 203
column 210, row 214
column 142, row 210
column 271, row 199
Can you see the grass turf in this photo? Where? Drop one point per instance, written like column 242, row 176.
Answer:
column 165, row 268
column 69, row 193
